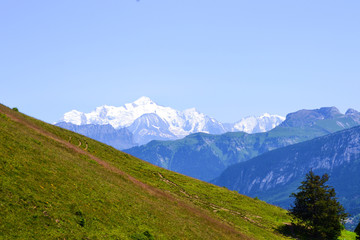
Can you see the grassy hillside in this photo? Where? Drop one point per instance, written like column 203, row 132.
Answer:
column 56, row 184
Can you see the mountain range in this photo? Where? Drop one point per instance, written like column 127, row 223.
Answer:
column 272, row 176
column 268, row 164
column 205, row 156
column 34, row 153
column 57, row 184
column 143, row 120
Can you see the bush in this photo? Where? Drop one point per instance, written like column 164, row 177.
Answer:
column 82, row 222
column 357, row 231
column 15, row 109
column 144, row 236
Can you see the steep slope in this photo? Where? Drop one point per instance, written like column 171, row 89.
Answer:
column 274, row 175
column 56, row 184
column 205, row 156
column 148, row 121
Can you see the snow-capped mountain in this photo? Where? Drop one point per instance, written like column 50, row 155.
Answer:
column 150, row 127
column 177, row 123
column 263, row 123
column 148, row 121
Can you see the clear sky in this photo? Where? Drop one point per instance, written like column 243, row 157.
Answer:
column 228, row 58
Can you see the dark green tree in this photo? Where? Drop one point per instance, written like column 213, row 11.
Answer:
column 316, row 208
column 357, row 231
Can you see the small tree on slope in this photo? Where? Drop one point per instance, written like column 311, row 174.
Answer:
column 317, row 209
column 357, row 231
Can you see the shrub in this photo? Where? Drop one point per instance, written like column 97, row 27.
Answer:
column 144, row 236
column 357, row 231
column 82, row 222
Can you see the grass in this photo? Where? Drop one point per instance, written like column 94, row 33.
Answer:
column 56, row 184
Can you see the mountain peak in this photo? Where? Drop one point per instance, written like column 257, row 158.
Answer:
column 75, row 117
column 307, row 117
column 329, row 112
column 191, row 111
column 143, row 101
column 351, row 111
column 253, row 124
column 161, row 123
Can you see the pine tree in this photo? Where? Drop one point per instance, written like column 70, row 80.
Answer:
column 316, row 208
column 357, row 231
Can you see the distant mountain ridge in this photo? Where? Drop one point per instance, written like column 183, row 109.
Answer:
column 147, row 121
column 122, row 137
column 252, row 124
column 205, row 156
column 272, row 176
column 307, row 117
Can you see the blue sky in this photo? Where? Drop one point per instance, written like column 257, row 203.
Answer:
column 229, row 59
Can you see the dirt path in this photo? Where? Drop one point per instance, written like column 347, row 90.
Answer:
column 174, row 184
column 150, row 189
column 213, row 206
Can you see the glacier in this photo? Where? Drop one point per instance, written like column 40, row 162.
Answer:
column 149, row 121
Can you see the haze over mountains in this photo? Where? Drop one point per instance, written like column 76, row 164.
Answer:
column 142, row 121
column 205, row 156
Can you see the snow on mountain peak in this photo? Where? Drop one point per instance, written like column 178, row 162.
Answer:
column 143, row 101
column 191, row 110
column 174, row 123
column 74, row 117
column 181, row 123
column 263, row 123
